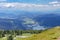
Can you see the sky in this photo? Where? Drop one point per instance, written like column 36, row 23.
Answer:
column 30, row 5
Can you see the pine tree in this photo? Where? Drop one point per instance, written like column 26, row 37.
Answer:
column 10, row 37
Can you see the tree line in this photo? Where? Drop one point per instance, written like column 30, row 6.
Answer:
column 14, row 33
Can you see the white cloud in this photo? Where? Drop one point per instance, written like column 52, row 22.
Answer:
column 8, row 5
column 21, row 5
column 54, row 2
column 30, row 7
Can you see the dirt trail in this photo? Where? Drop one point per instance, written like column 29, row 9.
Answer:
column 58, row 38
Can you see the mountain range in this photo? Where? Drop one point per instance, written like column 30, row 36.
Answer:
column 28, row 21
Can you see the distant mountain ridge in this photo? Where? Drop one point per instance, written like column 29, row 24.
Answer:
column 28, row 21
column 49, row 20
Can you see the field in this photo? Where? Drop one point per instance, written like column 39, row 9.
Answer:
column 49, row 34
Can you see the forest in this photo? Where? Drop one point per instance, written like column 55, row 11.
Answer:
column 11, row 34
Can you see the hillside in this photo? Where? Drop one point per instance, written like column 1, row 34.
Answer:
column 50, row 34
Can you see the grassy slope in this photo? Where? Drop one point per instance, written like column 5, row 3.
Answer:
column 4, row 38
column 50, row 34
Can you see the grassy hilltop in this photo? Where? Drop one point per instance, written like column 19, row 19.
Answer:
column 50, row 34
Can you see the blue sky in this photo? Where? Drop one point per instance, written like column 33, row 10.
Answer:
column 30, row 5
column 31, row 1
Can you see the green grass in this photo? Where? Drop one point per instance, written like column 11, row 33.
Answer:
column 50, row 34
column 26, row 34
column 4, row 38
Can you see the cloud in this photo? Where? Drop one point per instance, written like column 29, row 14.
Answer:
column 30, row 7
column 54, row 2
column 18, row 5
column 21, row 5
